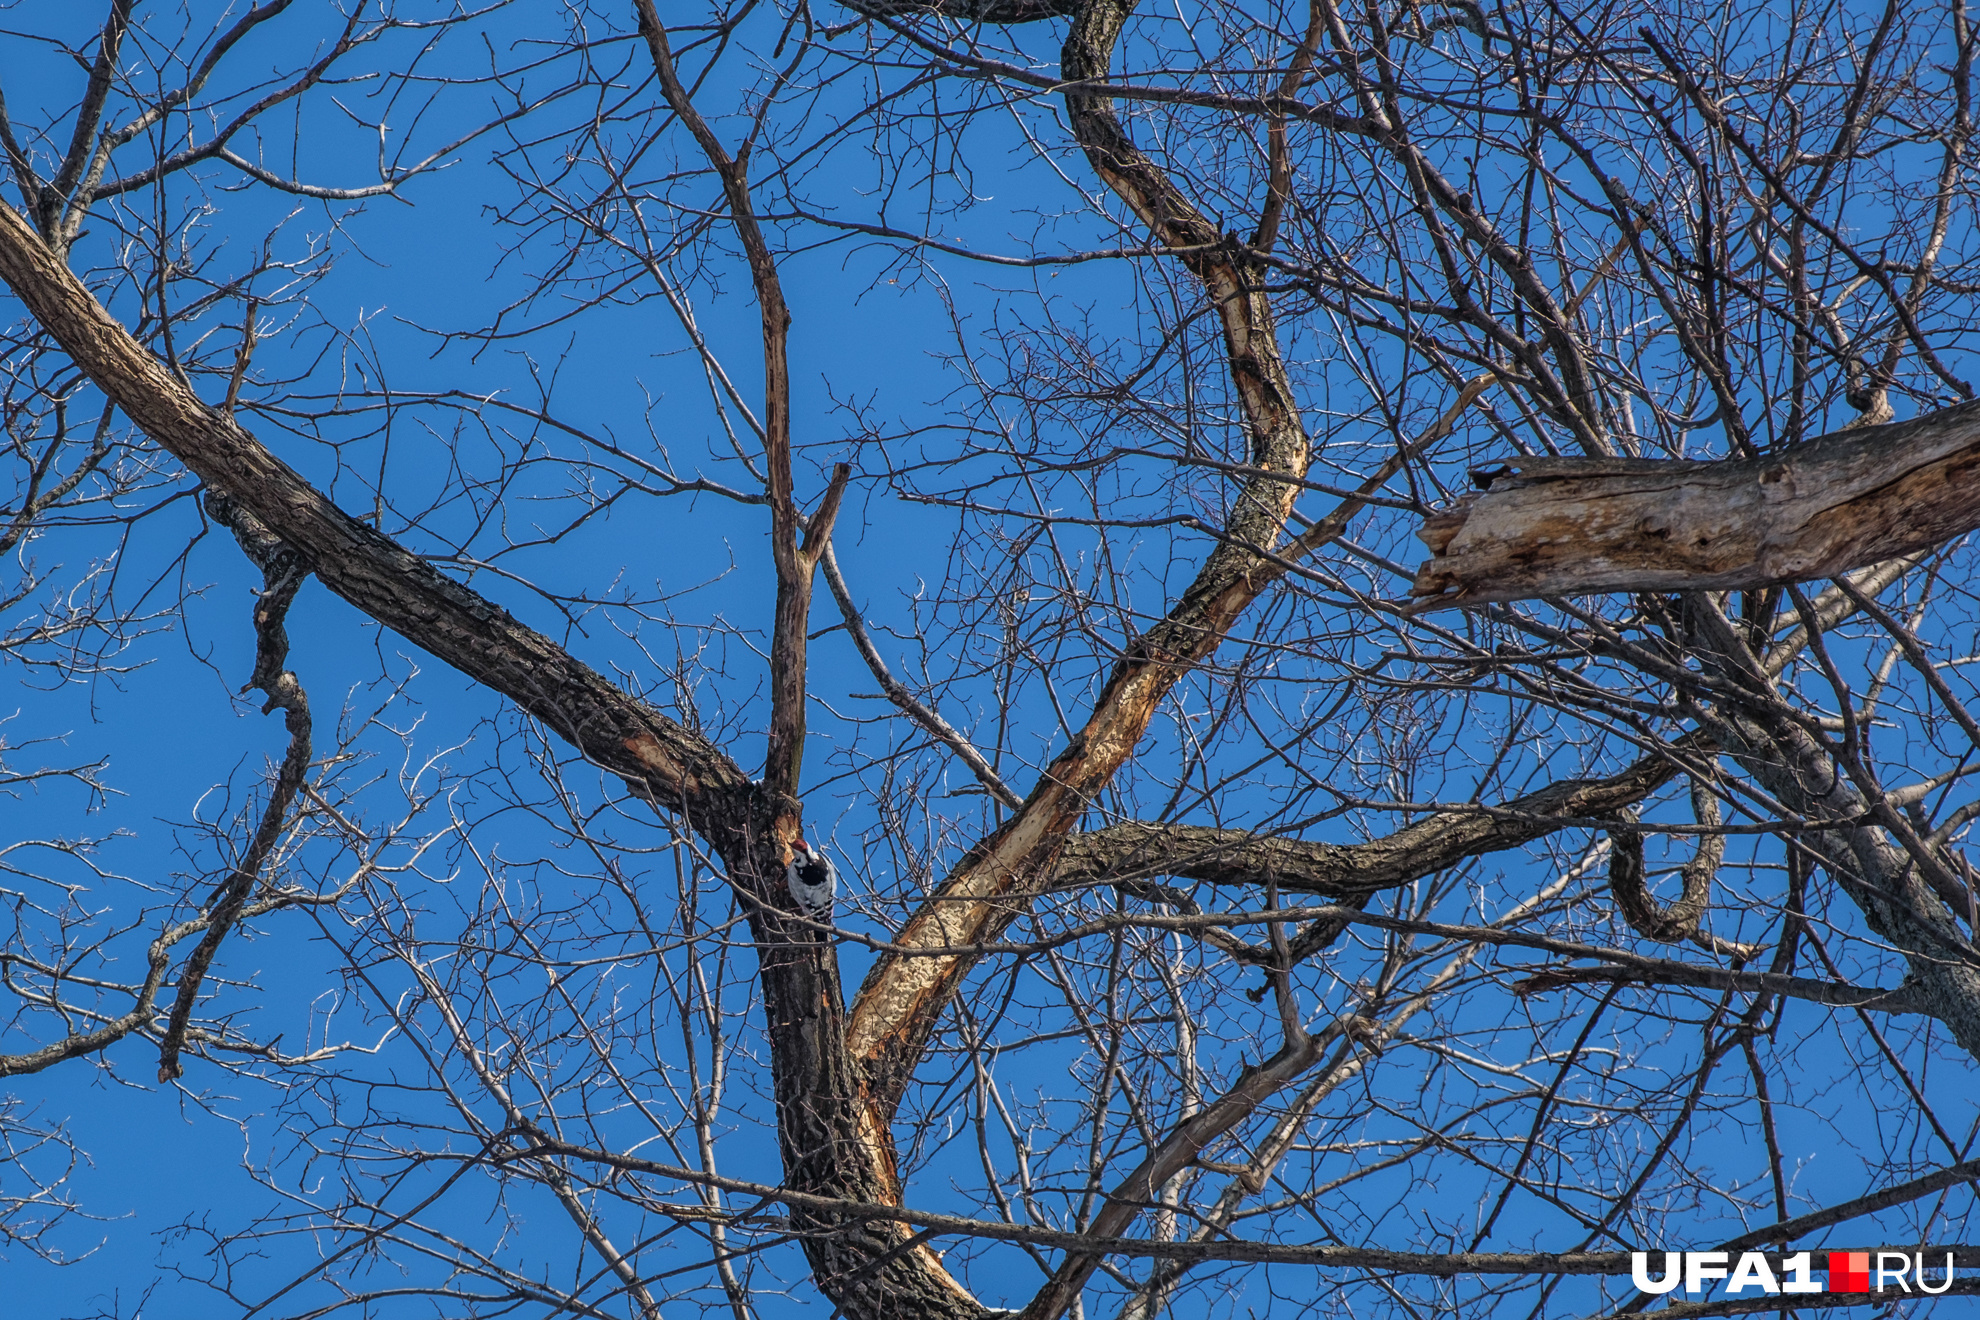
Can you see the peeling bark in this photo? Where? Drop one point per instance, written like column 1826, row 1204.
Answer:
column 1570, row 526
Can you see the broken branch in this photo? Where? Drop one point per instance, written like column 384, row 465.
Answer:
column 1573, row 526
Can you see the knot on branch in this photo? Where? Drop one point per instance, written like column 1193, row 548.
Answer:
column 264, row 549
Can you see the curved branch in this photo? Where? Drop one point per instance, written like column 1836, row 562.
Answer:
column 1677, row 922
column 902, row 998
column 1240, row 857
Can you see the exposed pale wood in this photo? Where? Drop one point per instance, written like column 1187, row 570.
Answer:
column 1572, row 526
column 903, row 997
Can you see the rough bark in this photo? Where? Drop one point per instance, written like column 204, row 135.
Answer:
column 618, row 732
column 858, row 1263
column 282, row 576
column 872, row 1270
column 903, row 996
column 1351, row 870
column 1879, row 877
column 1675, row 922
column 1568, row 526
column 1853, row 834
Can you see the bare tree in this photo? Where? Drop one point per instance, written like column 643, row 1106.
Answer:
column 1247, row 918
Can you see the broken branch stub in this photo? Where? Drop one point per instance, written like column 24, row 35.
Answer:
column 1573, row 526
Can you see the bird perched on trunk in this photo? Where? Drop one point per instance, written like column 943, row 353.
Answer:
column 813, row 881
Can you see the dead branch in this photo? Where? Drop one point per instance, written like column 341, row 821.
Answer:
column 1572, row 526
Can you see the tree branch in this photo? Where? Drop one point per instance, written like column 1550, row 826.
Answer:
column 1214, row 1249
column 1563, row 527
column 619, row 733
column 1242, row 857
column 282, row 576
column 917, row 710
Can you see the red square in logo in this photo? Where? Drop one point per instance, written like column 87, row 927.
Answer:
column 1849, row 1271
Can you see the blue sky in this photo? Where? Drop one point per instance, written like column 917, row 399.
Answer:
column 884, row 378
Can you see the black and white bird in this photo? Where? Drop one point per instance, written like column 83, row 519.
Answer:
column 813, row 881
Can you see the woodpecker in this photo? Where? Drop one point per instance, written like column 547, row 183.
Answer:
column 813, row 881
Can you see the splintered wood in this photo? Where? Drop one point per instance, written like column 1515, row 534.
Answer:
column 1573, row 526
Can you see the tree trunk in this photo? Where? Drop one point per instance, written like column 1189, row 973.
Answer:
column 861, row 1265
